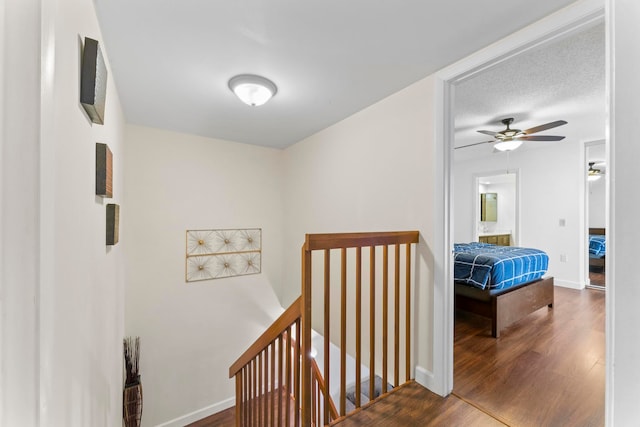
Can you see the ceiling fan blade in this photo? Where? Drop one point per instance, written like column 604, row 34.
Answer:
column 541, row 138
column 471, row 145
column 488, row 132
column 545, row 127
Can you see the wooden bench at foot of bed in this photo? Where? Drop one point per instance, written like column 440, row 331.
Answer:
column 507, row 306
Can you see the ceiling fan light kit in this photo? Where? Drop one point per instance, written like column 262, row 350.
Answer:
column 510, row 139
column 593, row 174
column 252, row 90
column 508, row 145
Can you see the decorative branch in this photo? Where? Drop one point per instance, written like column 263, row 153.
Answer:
column 131, row 360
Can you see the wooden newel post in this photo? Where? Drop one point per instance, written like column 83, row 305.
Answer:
column 306, row 337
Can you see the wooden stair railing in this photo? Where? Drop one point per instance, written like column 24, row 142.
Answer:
column 268, row 374
column 299, row 382
column 319, row 398
column 351, row 300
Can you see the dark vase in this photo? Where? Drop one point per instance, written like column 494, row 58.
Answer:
column 132, row 403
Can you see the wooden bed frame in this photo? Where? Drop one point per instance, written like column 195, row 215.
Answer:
column 597, row 262
column 504, row 308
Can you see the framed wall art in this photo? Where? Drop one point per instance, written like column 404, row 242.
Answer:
column 216, row 254
column 93, row 81
column 113, row 224
column 104, row 171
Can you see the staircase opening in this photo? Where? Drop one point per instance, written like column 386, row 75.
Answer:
column 355, row 307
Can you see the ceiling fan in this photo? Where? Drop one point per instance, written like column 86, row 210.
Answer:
column 510, row 139
column 593, row 174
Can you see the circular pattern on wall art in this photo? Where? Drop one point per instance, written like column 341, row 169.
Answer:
column 215, row 254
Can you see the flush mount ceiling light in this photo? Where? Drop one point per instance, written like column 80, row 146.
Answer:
column 251, row 89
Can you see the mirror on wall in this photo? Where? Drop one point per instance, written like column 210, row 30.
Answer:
column 489, row 207
column 496, row 201
column 596, row 203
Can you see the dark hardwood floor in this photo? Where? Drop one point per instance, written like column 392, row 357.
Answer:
column 596, row 277
column 548, row 369
column 414, row 405
column 409, row 405
column 545, row 370
column 226, row 418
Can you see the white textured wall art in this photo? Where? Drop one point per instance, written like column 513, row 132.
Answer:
column 215, row 254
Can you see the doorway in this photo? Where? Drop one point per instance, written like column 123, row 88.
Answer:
column 564, row 23
column 552, row 219
column 595, row 214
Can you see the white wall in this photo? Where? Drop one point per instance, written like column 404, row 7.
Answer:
column 550, row 183
column 82, row 293
column 623, row 316
column 191, row 333
column 63, row 316
column 371, row 172
column 19, row 210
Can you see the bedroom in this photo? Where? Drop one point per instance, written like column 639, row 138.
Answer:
column 542, row 191
column 535, row 88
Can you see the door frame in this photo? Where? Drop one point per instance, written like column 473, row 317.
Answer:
column 567, row 21
column 585, row 241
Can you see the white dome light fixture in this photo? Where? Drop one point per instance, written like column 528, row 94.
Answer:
column 508, row 144
column 252, row 90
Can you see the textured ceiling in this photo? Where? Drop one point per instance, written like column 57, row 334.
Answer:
column 171, row 60
column 561, row 80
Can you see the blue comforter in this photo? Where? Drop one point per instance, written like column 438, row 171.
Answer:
column 487, row 266
column 597, row 246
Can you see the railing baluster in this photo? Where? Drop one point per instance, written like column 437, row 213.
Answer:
column 247, row 391
column 249, row 400
column 265, row 387
column 385, row 315
column 259, row 391
column 372, row 320
column 314, row 403
column 358, row 325
column 252, row 418
column 327, row 330
column 296, row 376
column 243, row 409
column 408, row 310
column 238, row 396
column 272, row 380
column 256, row 408
column 305, row 343
column 396, row 332
column 287, row 414
column 343, row 330
column 280, row 383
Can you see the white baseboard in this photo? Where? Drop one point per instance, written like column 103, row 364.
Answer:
column 426, row 379
column 199, row 414
column 568, row 284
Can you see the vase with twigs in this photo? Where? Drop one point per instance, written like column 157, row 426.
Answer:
column 132, row 397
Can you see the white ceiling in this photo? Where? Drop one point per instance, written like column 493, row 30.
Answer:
column 172, row 59
column 561, row 80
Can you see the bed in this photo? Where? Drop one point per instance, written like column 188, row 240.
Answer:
column 597, row 248
column 502, row 283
